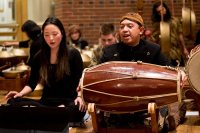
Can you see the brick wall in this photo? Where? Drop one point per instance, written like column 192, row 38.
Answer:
column 90, row 14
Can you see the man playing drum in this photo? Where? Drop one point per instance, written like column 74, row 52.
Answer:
column 133, row 48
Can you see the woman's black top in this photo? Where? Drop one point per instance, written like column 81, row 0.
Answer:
column 64, row 89
column 81, row 43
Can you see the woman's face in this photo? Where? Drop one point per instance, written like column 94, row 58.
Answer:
column 75, row 35
column 161, row 10
column 52, row 36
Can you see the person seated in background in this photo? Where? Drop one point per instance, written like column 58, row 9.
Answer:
column 75, row 37
column 33, row 32
column 107, row 38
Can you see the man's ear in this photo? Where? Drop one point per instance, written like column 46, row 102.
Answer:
column 142, row 30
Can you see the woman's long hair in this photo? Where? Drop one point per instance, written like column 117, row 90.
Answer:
column 156, row 16
column 62, row 65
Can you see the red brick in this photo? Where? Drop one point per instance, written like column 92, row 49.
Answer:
column 92, row 13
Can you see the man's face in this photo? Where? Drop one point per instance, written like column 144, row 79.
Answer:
column 107, row 40
column 130, row 32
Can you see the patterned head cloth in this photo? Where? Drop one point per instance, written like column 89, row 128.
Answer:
column 132, row 16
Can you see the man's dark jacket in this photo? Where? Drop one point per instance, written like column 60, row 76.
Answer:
column 145, row 51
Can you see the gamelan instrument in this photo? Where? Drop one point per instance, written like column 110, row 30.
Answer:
column 118, row 86
column 192, row 68
column 188, row 20
column 193, row 76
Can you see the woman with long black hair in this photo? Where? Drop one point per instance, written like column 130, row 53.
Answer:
column 58, row 67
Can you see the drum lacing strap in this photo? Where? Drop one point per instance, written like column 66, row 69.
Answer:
column 134, row 98
column 127, row 77
column 95, row 71
column 179, row 86
column 169, row 68
column 134, row 74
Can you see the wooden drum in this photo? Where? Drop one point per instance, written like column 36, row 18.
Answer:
column 193, row 76
column 192, row 69
column 129, row 86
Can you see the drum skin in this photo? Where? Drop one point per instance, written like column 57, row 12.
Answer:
column 192, row 69
column 192, row 87
column 129, row 86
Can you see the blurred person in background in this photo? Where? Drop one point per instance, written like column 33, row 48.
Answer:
column 33, row 32
column 178, row 51
column 107, row 38
column 75, row 37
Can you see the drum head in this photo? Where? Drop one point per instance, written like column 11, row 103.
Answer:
column 192, row 68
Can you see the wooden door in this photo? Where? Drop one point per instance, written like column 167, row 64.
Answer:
column 12, row 15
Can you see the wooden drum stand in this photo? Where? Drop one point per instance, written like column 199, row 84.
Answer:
column 152, row 110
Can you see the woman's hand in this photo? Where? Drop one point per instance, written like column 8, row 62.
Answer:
column 13, row 94
column 183, row 78
column 79, row 101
